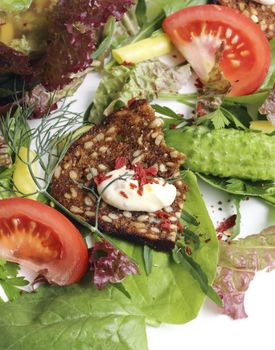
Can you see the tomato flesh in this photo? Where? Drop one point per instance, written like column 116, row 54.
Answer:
column 42, row 239
column 18, row 234
column 199, row 31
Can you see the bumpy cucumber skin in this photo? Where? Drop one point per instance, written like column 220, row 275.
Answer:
column 226, row 152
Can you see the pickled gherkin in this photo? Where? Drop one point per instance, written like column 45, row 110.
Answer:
column 243, row 154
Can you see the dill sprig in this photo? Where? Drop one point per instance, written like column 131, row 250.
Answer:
column 49, row 142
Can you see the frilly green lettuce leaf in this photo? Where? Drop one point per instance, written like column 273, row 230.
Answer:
column 14, row 5
column 238, row 263
column 144, row 80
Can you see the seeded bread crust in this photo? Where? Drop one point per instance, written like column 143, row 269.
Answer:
column 263, row 15
column 136, row 134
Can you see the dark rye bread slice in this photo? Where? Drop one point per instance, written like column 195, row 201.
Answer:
column 136, row 134
column 263, row 15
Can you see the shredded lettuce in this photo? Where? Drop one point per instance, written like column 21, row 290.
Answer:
column 238, row 263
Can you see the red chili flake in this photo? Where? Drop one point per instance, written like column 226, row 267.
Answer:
column 219, row 237
column 172, row 126
column 123, row 194
column 207, row 240
column 120, row 162
column 162, row 214
column 142, row 175
column 133, row 186
column 131, row 102
column 227, row 223
column 188, row 250
column 100, row 178
column 165, row 224
column 152, row 171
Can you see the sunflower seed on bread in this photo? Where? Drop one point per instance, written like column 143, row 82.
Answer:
column 136, row 134
column 262, row 15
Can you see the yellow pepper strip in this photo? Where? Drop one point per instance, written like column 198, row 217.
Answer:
column 23, row 181
column 262, row 125
column 6, row 33
column 143, row 50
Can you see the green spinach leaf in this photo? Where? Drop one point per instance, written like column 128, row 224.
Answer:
column 262, row 189
column 148, row 259
column 170, row 294
column 75, row 317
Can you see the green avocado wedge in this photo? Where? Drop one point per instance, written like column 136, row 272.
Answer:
column 81, row 317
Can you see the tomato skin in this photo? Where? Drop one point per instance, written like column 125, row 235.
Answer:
column 42, row 239
column 198, row 31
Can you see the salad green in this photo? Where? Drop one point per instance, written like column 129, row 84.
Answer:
column 75, row 317
column 240, row 187
column 144, row 80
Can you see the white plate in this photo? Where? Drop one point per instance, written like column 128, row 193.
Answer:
column 211, row 329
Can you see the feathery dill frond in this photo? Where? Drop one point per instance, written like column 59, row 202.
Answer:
column 49, row 142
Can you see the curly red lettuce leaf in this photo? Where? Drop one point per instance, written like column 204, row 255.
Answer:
column 73, row 33
column 12, row 61
column 109, row 264
column 268, row 107
column 239, row 261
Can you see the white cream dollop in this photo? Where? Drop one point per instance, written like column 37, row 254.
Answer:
column 265, row 2
column 118, row 192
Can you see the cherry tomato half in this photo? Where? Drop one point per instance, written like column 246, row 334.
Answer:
column 198, row 32
column 42, row 239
